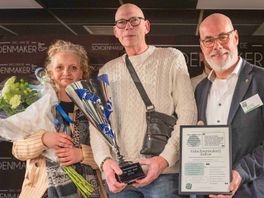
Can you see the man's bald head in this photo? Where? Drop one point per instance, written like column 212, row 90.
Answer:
column 214, row 19
column 128, row 8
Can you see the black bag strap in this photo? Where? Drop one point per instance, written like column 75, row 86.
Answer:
column 140, row 88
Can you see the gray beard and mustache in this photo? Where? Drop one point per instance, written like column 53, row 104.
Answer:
column 225, row 64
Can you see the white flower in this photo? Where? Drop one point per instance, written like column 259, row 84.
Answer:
column 8, row 84
column 15, row 101
column 16, row 96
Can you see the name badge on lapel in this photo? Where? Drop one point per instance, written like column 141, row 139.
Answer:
column 251, row 103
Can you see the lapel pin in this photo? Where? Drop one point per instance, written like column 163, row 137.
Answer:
column 246, row 80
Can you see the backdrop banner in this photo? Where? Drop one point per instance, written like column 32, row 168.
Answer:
column 20, row 56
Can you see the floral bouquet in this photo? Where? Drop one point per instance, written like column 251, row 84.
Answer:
column 30, row 106
column 17, row 96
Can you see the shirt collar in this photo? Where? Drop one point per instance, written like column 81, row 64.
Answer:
column 140, row 58
column 236, row 71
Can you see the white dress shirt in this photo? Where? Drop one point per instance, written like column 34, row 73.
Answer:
column 220, row 96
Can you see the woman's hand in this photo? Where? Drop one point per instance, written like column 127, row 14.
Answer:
column 57, row 140
column 69, row 156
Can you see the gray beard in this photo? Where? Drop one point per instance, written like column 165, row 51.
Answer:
column 224, row 66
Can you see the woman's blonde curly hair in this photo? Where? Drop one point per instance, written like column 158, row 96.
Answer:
column 62, row 46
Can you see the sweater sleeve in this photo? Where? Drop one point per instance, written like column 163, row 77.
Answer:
column 29, row 148
column 184, row 105
column 100, row 147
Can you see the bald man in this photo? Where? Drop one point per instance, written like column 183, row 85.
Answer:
column 164, row 75
column 233, row 94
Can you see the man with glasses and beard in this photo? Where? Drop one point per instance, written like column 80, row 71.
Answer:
column 233, row 94
column 164, row 75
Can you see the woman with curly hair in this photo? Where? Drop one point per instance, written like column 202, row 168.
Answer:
column 66, row 63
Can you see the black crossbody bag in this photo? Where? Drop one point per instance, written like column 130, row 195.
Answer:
column 159, row 125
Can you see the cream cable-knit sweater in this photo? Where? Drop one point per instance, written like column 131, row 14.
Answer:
column 164, row 75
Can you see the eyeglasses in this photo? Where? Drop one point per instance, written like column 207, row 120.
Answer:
column 222, row 38
column 134, row 21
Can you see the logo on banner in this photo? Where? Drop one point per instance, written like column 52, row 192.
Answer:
column 106, row 46
column 7, row 194
column 17, row 68
column 11, row 165
column 25, row 47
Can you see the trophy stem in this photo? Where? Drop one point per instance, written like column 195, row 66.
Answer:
column 130, row 171
column 120, row 158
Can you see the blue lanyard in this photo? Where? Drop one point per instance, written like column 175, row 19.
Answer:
column 63, row 114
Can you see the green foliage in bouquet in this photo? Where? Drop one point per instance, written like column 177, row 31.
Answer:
column 83, row 186
column 16, row 96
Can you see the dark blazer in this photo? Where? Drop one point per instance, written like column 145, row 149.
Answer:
column 247, row 128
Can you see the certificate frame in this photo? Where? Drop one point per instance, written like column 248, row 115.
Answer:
column 205, row 159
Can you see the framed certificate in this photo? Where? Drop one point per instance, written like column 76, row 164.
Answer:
column 205, row 159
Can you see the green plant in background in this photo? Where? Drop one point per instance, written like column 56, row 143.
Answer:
column 16, row 96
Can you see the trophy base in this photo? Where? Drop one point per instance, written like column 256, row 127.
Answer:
column 131, row 172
